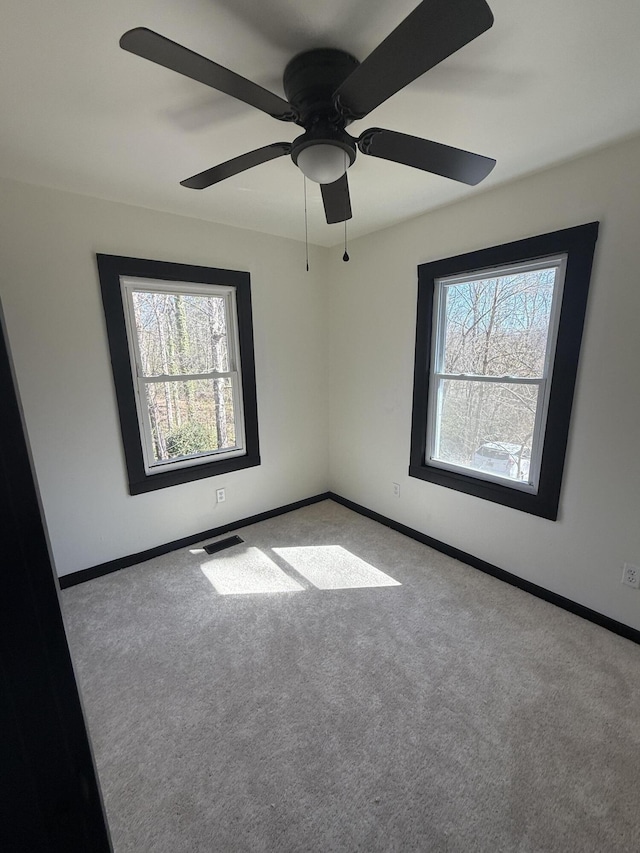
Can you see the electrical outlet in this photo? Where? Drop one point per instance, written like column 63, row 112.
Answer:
column 220, row 496
column 396, row 490
column 631, row 575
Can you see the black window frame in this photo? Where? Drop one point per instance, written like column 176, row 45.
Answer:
column 110, row 269
column 578, row 243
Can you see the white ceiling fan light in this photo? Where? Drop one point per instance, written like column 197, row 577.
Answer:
column 323, row 163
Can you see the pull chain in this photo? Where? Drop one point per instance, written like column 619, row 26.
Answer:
column 345, row 257
column 306, row 223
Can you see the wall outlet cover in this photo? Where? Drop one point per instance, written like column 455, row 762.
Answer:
column 631, row 575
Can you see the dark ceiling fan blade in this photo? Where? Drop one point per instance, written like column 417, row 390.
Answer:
column 150, row 45
column 236, row 165
column 432, row 32
column 423, row 154
column 337, row 203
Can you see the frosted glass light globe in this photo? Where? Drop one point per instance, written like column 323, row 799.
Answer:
column 322, row 163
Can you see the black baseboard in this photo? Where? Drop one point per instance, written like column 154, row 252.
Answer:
column 488, row 568
column 132, row 559
column 540, row 592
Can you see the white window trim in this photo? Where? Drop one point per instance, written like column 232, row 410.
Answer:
column 544, row 381
column 130, row 284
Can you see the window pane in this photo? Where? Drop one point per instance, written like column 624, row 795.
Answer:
column 498, row 326
column 192, row 417
column 486, row 425
column 180, row 333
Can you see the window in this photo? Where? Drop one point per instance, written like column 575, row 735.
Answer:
column 492, row 353
column 497, row 346
column 181, row 345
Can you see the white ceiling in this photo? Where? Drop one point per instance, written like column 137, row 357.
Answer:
column 549, row 81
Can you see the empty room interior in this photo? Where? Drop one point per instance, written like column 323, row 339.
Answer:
column 336, row 442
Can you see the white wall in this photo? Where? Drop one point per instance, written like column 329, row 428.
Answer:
column 50, row 292
column 51, row 297
column 372, row 333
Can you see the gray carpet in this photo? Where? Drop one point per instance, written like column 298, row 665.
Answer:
column 374, row 696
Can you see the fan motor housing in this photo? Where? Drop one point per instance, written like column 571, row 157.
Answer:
column 311, row 78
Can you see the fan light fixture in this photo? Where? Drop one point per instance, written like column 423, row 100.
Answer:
column 327, row 89
column 323, row 163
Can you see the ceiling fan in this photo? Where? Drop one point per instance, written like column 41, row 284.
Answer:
column 327, row 89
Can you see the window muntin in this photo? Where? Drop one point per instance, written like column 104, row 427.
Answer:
column 493, row 344
column 185, row 360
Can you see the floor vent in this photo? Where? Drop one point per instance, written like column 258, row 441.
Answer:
column 221, row 544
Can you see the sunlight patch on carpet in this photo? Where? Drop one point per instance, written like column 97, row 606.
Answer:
column 247, row 571
column 333, row 567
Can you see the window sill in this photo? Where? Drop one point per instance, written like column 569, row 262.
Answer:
column 176, row 476
column 545, row 506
